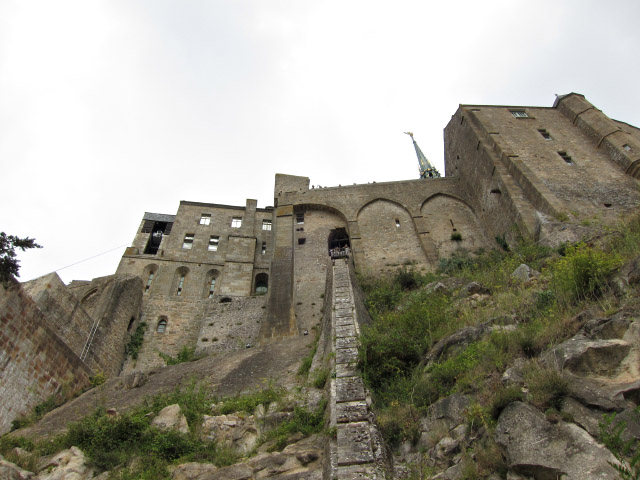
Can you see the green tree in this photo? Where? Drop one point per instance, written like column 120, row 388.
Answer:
column 9, row 264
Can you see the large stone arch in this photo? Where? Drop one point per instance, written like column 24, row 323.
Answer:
column 388, row 236
column 452, row 225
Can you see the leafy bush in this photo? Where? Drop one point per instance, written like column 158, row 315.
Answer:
column 503, row 397
column 582, row 272
column 456, row 237
column 133, row 347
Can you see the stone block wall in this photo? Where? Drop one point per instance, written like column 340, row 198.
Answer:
column 36, row 363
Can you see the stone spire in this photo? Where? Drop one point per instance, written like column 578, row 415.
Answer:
column 426, row 169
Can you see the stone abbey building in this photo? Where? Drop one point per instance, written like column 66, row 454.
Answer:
column 218, row 277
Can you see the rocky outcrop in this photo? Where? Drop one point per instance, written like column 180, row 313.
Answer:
column 171, row 418
column 537, row 448
column 232, row 431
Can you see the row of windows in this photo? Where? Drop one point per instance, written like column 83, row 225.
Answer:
column 214, row 242
column 236, row 222
column 260, row 288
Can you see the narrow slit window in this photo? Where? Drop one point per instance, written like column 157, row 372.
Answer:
column 546, row 135
column 519, row 113
column 236, row 222
column 266, row 225
column 180, row 286
column 264, row 248
column 214, row 241
column 187, row 244
column 397, row 223
column 149, row 282
column 212, row 287
column 567, row 158
column 205, row 219
column 300, row 218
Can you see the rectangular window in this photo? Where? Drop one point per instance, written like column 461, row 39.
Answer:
column 626, row 147
column 214, row 241
column 266, row 225
column 519, row 113
column 300, row 218
column 180, row 286
column 188, row 241
column 205, row 219
column 264, row 248
column 546, row 135
column 566, row 158
column 236, row 222
column 212, row 287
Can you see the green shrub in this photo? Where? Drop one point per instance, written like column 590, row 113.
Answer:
column 98, row 379
column 582, row 272
column 249, row 402
column 133, row 347
column 626, row 452
column 303, row 421
column 39, row 411
column 185, row 354
column 319, row 377
column 456, row 237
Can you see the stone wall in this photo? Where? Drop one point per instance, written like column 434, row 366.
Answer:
column 35, row 362
column 94, row 319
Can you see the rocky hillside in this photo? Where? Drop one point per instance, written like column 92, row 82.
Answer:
column 521, row 364
column 516, row 364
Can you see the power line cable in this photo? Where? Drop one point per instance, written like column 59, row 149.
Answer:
column 94, row 256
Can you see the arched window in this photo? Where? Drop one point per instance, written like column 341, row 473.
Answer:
column 179, row 281
column 211, row 278
column 162, row 325
column 149, row 274
column 262, row 284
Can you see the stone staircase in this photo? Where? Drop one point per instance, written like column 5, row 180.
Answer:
column 357, row 452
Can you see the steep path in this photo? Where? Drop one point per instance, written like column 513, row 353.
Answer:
column 358, row 451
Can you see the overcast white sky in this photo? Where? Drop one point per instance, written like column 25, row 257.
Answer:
column 109, row 109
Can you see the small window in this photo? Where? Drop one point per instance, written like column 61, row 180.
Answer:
column 300, row 218
column 162, row 326
column 180, row 286
column 149, row 282
column 266, row 225
column 546, row 135
column 301, row 241
column 236, row 222
column 188, row 241
column 214, row 241
column 519, row 113
column 205, row 219
column 212, row 287
column 397, row 223
column 264, row 248
column 626, row 147
column 566, row 158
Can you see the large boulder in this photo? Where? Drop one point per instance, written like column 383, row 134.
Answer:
column 69, row 464
column 239, row 434
column 171, row 418
column 537, row 448
column 10, row 471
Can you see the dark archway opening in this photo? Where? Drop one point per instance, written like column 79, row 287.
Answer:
column 338, row 238
column 262, row 284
